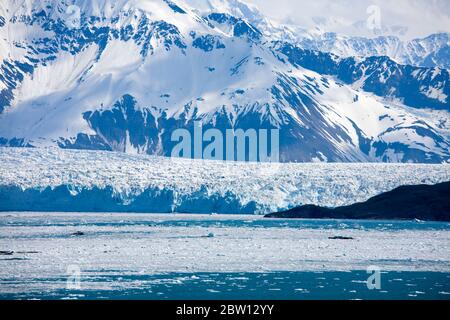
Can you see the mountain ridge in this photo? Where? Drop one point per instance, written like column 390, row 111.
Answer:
column 133, row 73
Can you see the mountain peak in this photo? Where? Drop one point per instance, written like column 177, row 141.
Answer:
column 124, row 74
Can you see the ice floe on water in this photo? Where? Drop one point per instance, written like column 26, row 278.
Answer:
column 142, row 252
column 177, row 243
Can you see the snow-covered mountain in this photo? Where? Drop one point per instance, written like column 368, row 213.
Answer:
column 415, row 87
column 432, row 51
column 135, row 70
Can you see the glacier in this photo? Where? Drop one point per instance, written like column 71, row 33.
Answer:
column 52, row 179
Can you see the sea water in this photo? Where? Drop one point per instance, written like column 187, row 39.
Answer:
column 144, row 256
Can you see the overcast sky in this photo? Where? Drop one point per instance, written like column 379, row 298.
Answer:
column 407, row 18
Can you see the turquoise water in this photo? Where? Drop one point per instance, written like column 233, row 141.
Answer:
column 186, row 220
column 277, row 285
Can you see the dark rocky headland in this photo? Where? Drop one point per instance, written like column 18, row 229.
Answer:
column 422, row 202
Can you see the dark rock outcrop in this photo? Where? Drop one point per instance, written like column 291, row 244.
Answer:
column 340, row 238
column 423, row 202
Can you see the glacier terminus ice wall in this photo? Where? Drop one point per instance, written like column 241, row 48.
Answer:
column 52, row 179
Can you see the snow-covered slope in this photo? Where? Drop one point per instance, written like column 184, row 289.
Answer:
column 432, row 51
column 415, row 87
column 136, row 70
column 42, row 179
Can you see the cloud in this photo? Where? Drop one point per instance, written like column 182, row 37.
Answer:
column 406, row 18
